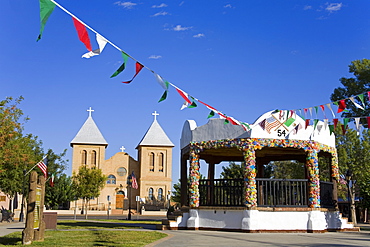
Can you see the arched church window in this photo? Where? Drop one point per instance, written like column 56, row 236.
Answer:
column 111, row 179
column 160, row 194
column 93, row 158
column 121, row 171
column 151, row 194
column 83, row 157
column 161, row 162
column 151, row 162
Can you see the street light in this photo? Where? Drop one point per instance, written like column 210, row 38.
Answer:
column 348, row 180
column 129, row 183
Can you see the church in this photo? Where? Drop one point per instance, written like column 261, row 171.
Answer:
column 152, row 168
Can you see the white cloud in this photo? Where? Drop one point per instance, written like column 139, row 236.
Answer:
column 199, row 35
column 162, row 5
column 332, row 7
column 181, row 3
column 160, row 13
column 155, row 57
column 180, row 28
column 228, row 6
column 307, row 7
column 126, row 5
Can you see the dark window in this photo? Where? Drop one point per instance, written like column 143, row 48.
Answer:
column 151, row 162
column 160, row 194
column 83, row 157
column 111, row 179
column 151, row 194
column 161, row 162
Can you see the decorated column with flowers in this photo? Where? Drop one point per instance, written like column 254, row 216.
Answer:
column 314, row 180
column 194, row 176
column 250, row 176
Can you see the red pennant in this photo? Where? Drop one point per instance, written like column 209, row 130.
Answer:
column 183, row 95
column 341, row 106
column 307, row 123
column 368, row 122
column 344, row 129
column 335, row 121
column 139, row 67
column 82, row 33
column 368, row 95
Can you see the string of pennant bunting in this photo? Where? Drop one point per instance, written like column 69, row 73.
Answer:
column 48, row 6
column 46, row 9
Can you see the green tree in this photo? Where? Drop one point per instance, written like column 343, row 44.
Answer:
column 89, row 182
column 287, row 169
column 356, row 85
column 232, row 171
column 62, row 192
column 354, row 155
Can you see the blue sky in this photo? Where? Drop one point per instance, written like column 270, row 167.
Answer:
column 242, row 57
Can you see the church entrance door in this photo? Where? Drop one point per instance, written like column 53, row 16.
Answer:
column 120, row 199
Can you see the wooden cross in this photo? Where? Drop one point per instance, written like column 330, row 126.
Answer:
column 90, row 111
column 155, row 114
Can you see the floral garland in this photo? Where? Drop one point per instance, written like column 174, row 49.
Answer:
column 248, row 146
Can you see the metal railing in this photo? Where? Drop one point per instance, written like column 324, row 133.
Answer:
column 221, row 192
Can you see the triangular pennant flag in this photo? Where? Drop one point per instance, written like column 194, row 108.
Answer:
column 184, row 95
column 331, row 110
column 319, row 128
column 361, row 97
column 341, row 106
column 101, row 42
column 289, row 121
column 310, row 111
column 357, row 105
column 138, row 68
column 323, row 110
column 301, row 114
column 357, row 123
column 326, row 121
column 297, row 128
column 344, row 129
column 345, row 122
column 368, row 95
column 46, row 8
column 162, row 82
column 315, row 121
column 307, row 123
column 211, row 114
column 245, row 126
column 335, row 121
column 226, row 121
column 82, row 33
column 164, row 96
column 281, row 114
column 192, row 105
column 263, row 124
column 331, row 128
column 368, row 122
column 316, row 109
column 122, row 67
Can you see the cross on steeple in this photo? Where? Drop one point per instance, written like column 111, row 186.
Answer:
column 123, row 149
column 90, row 110
column 155, row 114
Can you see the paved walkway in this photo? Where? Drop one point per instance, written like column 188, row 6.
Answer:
column 230, row 239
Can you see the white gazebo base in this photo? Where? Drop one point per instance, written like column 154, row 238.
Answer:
column 262, row 220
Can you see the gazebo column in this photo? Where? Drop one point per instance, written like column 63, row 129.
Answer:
column 211, row 185
column 314, row 180
column 194, row 176
column 184, row 181
column 333, row 178
column 250, row 177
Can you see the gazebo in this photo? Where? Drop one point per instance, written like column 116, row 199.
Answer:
column 255, row 203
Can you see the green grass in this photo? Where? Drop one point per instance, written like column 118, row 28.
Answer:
column 151, row 222
column 89, row 238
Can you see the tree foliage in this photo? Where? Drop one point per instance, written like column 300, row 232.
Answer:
column 88, row 183
column 356, row 85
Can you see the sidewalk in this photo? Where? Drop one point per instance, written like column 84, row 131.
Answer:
column 7, row 228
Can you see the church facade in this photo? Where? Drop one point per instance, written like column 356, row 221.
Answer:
column 152, row 168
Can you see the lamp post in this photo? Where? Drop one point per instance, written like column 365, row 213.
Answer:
column 21, row 215
column 348, row 180
column 129, row 183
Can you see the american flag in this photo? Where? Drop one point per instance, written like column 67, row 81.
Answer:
column 43, row 168
column 134, row 181
column 271, row 123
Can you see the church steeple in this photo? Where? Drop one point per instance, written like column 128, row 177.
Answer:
column 155, row 135
column 89, row 133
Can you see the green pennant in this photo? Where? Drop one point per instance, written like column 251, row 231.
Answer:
column 361, row 96
column 164, row 96
column 122, row 67
column 331, row 128
column 193, row 104
column 246, row 125
column 289, row 121
column 315, row 121
column 46, row 8
column 211, row 114
column 345, row 122
column 226, row 121
column 316, row 109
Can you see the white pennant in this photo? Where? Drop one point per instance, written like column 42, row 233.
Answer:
column 357, row 105
column 329, row 106
column 357, row 122
column 161, row 81
column 326, row 121
column 101, row 42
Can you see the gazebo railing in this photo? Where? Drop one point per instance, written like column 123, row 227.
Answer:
column 270, row 192
column 282, row 192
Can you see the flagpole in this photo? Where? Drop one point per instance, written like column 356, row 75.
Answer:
column 35, row 165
